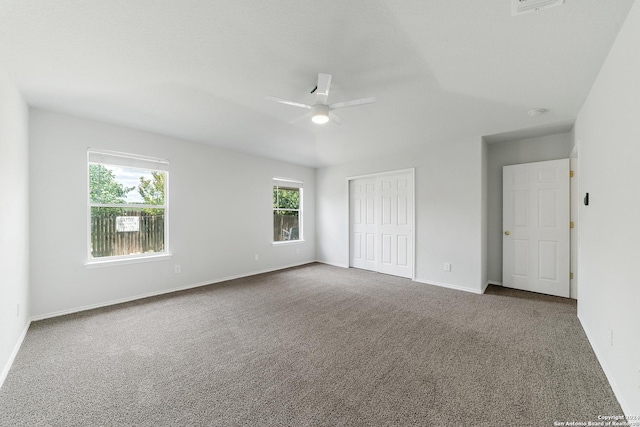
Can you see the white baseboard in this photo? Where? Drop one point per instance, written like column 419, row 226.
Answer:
column 450, row 286
column 607, row 372
column 161, row 292
column 334, row 264
column 14, row 353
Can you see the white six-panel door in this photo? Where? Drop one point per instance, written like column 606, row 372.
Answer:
column 536, row 227
column 364, row 212
column 381, row 224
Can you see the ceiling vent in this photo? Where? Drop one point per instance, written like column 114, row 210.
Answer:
column 518, row 7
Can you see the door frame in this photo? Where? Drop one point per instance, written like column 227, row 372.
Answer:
column 574, row 212
column 412, row 174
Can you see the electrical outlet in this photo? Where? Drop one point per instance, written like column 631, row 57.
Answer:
column 297, row 250
column 18, row 310
column 447, row 266
column 611, row 337
column 257, row 257
column 177, row 269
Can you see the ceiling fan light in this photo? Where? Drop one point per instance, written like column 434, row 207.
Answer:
column 320, row 114
column 320, row 119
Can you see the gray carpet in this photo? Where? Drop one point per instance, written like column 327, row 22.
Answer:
column 314, row 345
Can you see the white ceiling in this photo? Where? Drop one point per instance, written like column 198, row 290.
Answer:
column 200, row 69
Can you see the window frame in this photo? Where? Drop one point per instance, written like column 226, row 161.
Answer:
column 293, row 184
column 119, row 159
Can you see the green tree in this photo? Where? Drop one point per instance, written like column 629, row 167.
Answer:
column 152, row 192
column 286, row 198
column 103, row 187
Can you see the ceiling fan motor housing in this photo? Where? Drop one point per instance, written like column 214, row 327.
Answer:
column 320, row 113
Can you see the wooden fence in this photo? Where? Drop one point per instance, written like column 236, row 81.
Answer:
column 106, row 240
column 285, row 227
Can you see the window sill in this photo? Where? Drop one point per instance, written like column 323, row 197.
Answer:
column 287, row 242
column 123, row 261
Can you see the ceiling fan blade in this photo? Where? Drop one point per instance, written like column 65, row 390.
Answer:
column 322, row 92
column 335, row 118
column 297, row 119
column 286, row 101
column 351, row 103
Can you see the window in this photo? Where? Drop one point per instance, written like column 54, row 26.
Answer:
column 287, row 210
column 127, row 209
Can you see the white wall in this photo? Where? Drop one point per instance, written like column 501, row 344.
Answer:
column 608, row 131
column 220, row 215
column 500, row 154
column 449, row 210
column 14, row 222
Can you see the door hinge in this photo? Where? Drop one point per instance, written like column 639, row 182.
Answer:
column 571, row 224
column 571, row 174
column 570, row 276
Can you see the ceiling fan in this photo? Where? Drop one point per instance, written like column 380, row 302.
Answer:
column 321, row 112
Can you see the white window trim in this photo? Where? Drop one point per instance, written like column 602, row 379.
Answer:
column 290, row 183
column 129, row 259
column 287, row 242
column 133, row 160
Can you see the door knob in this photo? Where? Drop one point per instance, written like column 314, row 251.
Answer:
column 506, row 233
